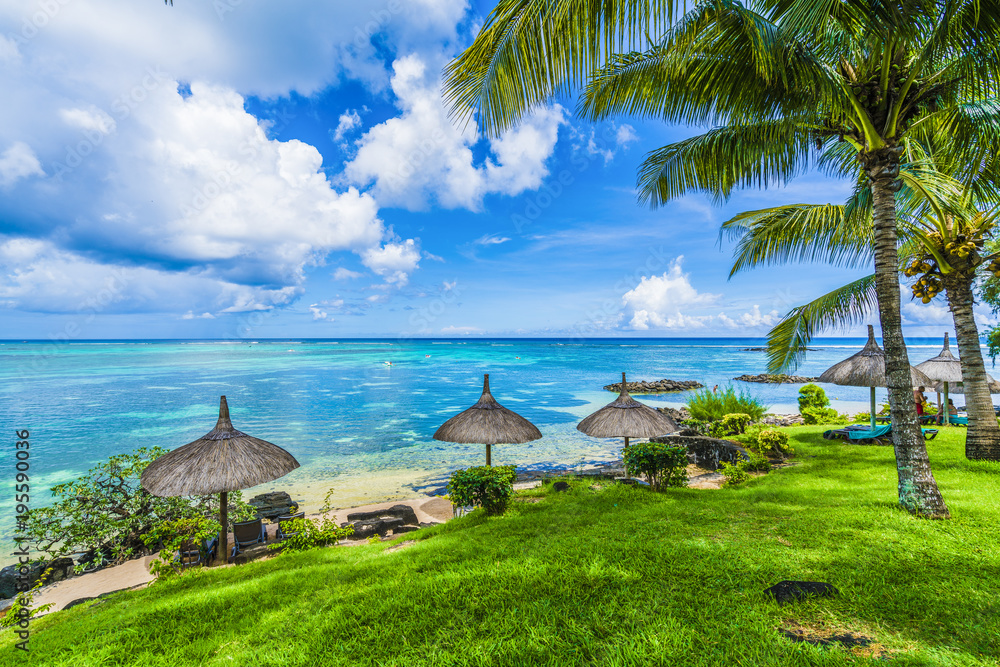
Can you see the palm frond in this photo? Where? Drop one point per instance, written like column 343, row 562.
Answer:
column 799, row 233
column 722, row 61
column 753, row 154
column 529, row 50
column 840, row 309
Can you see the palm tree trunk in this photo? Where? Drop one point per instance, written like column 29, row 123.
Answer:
column 918, row 491
column 983, row 439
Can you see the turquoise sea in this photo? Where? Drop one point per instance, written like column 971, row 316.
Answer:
column 353, row 422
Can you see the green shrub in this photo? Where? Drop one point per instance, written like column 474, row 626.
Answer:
column 305, row 534
column 663, row 465
column 489, row 487
column 734, row 474
column 717, row 430
column 812, row 396
column 823, row 416
column 707, row 405
column 863, row 417
column 736, row 423
column 748, row 439
column 773, row 441
column 756, row 463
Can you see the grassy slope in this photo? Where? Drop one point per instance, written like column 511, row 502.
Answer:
column 613, row 577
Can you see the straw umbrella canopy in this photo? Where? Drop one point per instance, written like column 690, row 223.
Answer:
column 867, row 369
column 488, row 423
column 626, row 418
column 220, row 461
column 944, row 368
column 959, row 387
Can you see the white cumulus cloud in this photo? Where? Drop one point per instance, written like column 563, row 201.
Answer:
column 751, row 319
column 346, row 123
column 421, row 156
column 394, row 261
column 18, row 162
column 658, row 302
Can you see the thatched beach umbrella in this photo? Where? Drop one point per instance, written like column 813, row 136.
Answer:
column 867, row 369
column 944, row 368
column 626, row 418
column 488, row 423
column 220, row 461
column 959, row 387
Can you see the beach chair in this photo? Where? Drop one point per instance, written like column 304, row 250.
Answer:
column 955, row 420
column 248, row 533
column 863, row 434
column 191, row 554
column 281, row 534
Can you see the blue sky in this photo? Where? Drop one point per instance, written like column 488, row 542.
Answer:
column 251, row 169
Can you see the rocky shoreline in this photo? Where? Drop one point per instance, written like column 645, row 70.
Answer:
column 780, row 378
column 655, row 387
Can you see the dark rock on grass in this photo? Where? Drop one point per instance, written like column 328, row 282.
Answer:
column 365, row 529
column 404, row 512
column 399, row 530
column 62, row 568
column 847, row 640
column 429, row 524
column 706, row 452
column 380, row 526
column 560, row 486
column 791, row 591
column 274, row 504
column 9, row 581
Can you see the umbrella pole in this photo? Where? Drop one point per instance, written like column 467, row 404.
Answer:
column 626, row 441
column 873, row 408
column 224, row 533
column 489, row 457
column 947, row 412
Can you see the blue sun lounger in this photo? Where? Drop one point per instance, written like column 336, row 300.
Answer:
column 864, row 434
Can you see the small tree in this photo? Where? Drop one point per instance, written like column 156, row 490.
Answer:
column 812, row 396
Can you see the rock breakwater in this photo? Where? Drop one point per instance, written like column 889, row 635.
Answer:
column 780, row 378
column 655, row 387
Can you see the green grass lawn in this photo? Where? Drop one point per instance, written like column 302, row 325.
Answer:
column 609, row 576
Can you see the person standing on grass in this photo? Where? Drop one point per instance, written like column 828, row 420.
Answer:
column 920, row 400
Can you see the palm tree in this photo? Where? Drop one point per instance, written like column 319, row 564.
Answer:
column 943, row 248
column 777, row 78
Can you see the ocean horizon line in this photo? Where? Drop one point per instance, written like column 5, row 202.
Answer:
column 407, row 339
